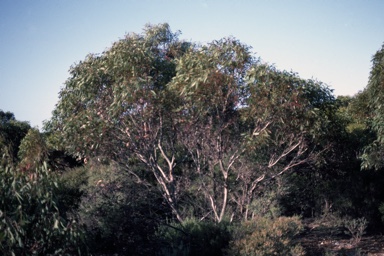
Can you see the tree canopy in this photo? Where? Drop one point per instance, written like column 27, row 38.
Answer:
column 374, row 153
column 12, row 132
column 211, row 120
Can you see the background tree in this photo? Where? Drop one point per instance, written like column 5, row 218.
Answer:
column 12, row 132
column 335, row 185
column 374, row 153
column 33, row 151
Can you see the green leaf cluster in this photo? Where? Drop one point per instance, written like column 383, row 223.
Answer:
column 373, row 153
column 30, row 220
column 12, row 132
column 263, row 236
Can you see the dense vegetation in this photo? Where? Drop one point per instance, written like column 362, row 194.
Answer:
column 159, row 146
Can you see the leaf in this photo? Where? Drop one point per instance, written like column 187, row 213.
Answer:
column 56, row 224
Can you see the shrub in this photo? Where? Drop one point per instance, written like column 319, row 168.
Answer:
column 193, row 237
column 120, row 216
column 70, row 183
column 267, row 204
column 355, row 228
column 381, row 210
column 263, row 236
column 30, row 221
column 33, row 150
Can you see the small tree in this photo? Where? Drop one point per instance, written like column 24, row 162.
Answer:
column 12, row 132
column 33, row 150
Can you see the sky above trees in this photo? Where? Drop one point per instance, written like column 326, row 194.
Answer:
column 332, row 41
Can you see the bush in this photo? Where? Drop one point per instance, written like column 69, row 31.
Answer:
column 30, row 221
column 70, row 183
column 263, row 236
column 193, row 237
column 120, row 216
column 381, row 210
column 355, row 228
column 267, row 204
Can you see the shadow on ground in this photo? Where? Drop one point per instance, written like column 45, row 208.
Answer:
column 322, row 239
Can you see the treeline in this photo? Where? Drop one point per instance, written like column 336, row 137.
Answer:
column 160, row 146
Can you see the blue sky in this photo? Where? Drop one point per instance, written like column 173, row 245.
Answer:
column 332, row 41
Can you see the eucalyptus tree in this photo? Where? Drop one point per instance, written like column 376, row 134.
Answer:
column 243, row 123
column 209, row 122
column 115, row 105
column 374, row 153
column 285, row 119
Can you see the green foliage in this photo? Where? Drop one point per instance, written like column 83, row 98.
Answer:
column 33, row 150
column 373, row 153
column 177, row 130
column 210, row 117
column 105, row 91
column 336, row 183
column 293, row 103
column 70, row 184
column 12, row 132
column 193, row 237
column 30, row 221
column 263, row 236
column 114, row 105
column 355, row 228
column 339, row 187
column 120, row 216
column 267, row 203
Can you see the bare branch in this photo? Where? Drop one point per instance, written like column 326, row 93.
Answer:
column 170, row 162
column 274, row 160
column 255, row 182
column 213, row 206
column 257, row 131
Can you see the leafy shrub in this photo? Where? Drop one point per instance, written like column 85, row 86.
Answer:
column 381, row 210
column 263, row 236
column 70, row 183
column 267, row 204
column 12, row 132
column 120, row 216
column 193, row 237
column 33, row 150
column 355, row 228
column 30, row 222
